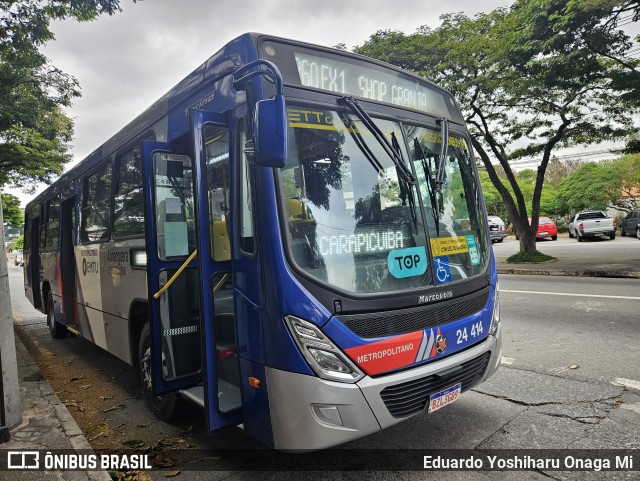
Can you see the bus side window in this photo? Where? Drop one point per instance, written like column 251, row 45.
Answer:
column 97, row 194
column 43, row 230
column 54, row 223
column 128, row 215
column 51, row 222
column 27, row 233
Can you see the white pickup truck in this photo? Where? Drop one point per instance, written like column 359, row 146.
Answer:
column 592, row 223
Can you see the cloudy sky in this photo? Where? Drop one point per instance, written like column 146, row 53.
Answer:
column 126, row 62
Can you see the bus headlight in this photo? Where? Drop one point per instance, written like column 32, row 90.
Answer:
column 323, row 356
column 495, row 319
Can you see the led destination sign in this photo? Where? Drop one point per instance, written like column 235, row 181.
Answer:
column 360, row 243
column 370, row 83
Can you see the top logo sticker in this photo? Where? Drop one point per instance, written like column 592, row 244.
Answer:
column 408, row 262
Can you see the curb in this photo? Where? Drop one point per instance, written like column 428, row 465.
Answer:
column 543, row 272
column 30, row 374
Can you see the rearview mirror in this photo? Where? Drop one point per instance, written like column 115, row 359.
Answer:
column 270, row 132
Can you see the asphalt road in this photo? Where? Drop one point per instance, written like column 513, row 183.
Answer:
column 570, row 379
column 552, row 323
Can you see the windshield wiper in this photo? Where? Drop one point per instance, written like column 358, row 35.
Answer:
column 405, row 185
column 362, row 145
column 444, row 151
column 394, row 155
column 430, row 183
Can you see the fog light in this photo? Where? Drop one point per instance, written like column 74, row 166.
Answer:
column 327, row 414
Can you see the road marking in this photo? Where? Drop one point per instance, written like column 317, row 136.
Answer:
column 620, row 381
column 569, row 294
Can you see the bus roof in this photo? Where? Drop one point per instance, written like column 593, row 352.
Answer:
column 235, row 53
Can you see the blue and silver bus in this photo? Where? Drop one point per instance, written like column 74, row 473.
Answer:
column 293, row 238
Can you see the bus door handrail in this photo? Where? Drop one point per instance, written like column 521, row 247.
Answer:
column 175, row 276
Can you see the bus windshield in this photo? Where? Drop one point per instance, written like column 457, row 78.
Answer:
column 355, row 221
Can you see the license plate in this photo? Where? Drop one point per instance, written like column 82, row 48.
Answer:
column 443, row 398
column 597, row 233
column 544, row 233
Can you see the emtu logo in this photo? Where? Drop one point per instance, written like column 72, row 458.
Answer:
column 23, row 460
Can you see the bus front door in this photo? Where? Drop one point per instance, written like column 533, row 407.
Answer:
column 183, row 327
column 211, row 150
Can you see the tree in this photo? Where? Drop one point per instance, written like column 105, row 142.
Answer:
column 34, row 132
column 11, row 210
column 558, row 170
column 613, row 183
column 19, row 243
column 595, row 26
column 492, row 198
column 520, row 97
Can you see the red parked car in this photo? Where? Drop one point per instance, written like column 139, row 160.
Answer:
column 546, row 228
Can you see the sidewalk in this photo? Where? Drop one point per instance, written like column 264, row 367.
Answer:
column 46, row 424
column 576, row 267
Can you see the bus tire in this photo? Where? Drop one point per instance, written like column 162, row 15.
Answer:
column 57, row 330
column 163, row 407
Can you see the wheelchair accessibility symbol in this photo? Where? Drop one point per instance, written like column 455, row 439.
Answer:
column 443, row 271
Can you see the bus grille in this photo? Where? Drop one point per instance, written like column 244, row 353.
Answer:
column 415, row 319
column 411, row 397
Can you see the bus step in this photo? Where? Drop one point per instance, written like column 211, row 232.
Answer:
column 194, row 394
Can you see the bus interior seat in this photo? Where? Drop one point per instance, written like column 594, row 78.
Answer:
column 296, row 211
column 220, row 239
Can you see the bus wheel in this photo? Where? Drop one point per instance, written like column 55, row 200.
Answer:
column 57, row 330
column 164, row 407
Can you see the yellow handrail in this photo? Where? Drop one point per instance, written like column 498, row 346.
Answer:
column 175, row 276
column 221, row 283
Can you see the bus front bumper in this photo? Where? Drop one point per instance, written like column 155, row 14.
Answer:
column 309, row 413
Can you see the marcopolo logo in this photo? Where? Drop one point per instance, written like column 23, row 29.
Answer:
column 408, row 262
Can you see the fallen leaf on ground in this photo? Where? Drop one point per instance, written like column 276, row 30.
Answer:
column 96, row 436
column 172, row 474
column 113, row 408
column 93, row 427
column 74, row 404
column 133, row 443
